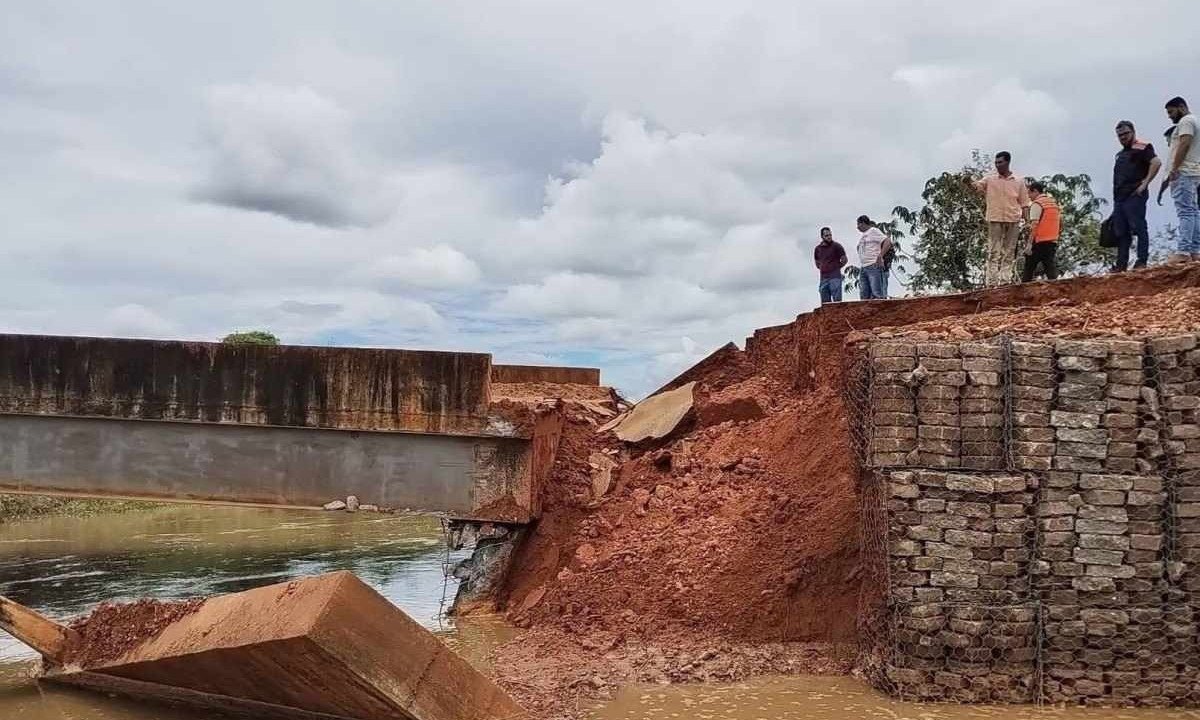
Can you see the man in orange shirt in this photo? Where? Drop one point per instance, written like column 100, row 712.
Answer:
column 1007, row 205
column 1046, row 220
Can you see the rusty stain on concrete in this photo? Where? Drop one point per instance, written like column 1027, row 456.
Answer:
column 291, row 386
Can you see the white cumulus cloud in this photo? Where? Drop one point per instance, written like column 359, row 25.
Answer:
column 289, row 151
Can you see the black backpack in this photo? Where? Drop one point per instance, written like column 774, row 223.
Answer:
column 1108, row 238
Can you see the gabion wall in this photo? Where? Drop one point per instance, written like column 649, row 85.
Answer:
column 1031, row 519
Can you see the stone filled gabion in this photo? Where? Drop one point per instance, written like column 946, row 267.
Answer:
column 959, row 548
column 1039, row 535
column 938, row 405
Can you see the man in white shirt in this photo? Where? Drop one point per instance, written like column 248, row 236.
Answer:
column 1183, row 174
column 872, row 247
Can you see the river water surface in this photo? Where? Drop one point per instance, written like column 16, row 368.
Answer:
column 64, row 566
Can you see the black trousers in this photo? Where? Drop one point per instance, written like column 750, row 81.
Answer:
column 1129, row 223
column 1043, row 254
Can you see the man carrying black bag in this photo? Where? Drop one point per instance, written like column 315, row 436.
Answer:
column 1135, row 167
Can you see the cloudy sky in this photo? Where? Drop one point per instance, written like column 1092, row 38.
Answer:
column 622, row 184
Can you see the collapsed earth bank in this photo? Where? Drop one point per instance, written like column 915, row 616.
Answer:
column 730, row 547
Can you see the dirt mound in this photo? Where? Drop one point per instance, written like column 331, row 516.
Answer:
column 711, row 542
column 112, row 629
column 562, row 391
column 745, row 529
column 1166, row 312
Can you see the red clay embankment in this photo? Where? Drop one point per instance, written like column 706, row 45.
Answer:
column 745, row 532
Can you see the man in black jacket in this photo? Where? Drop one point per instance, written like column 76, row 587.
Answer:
column 1135, row 166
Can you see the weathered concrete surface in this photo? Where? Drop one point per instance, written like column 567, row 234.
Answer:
column 545, row 373
column 329, row 646
column 281, row 425
column 293, row 386
column 466, row 476
column 656, row 416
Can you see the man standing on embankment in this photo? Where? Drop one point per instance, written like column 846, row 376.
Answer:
column 1134, row 168
column 1046, row 219
column 1183, row 173
column 830, row 258
column 1007, row 204
column 872, row 273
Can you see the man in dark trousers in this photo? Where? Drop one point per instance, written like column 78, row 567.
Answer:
column 1135, row 166
column 830, row 258
column 1045, row 219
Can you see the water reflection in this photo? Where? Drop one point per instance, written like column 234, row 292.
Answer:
column 64, row 566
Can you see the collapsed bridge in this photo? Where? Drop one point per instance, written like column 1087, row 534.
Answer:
column 277, row 425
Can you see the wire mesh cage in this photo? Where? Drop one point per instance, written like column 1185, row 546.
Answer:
column 1017, row 476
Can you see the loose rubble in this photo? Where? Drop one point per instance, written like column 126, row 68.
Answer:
column 743, row 527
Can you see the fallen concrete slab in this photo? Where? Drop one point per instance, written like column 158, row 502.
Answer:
column 320, row 647
column 656, row 416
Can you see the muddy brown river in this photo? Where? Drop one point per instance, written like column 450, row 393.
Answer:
column 64, row 566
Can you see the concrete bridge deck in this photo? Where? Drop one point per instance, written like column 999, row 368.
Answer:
column 284, row 425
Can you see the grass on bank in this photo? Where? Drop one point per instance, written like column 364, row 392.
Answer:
column 19, row 507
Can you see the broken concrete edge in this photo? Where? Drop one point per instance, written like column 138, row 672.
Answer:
column 720, row 357
column 49, row 638
column 558, row 375
column 657, row 416
column 244, row 651
column 517, row 500
column 482, row 575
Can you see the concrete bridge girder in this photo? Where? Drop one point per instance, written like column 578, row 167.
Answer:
column 281, row 425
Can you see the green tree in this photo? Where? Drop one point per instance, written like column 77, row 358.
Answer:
column 252, row 337
column 950, row 233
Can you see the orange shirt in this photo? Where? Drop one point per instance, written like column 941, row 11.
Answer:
column 1006, row 197
column 1049, row 219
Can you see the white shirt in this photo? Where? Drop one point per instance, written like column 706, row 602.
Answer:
column 1187, row 125
column 870, row 245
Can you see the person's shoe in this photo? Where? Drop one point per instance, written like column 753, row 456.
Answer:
column 1116, row 269
column 1139, row 265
